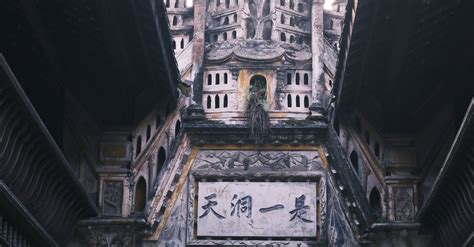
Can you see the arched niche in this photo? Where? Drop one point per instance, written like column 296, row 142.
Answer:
column 267, row 30
column 375, row 201
column 250, row 28
column 258, row 87
column 354, row 157
column 140, row 195
column 161, row 158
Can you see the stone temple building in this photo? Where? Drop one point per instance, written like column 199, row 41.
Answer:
column 236, row 123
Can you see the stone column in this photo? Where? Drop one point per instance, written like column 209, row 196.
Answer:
column 401, row 183
column 317, row 48
column 198, row 50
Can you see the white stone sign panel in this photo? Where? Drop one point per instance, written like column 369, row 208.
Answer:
column 257, row 209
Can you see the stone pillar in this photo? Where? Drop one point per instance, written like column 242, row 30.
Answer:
column 198, row 50
column 317, row 48
column 401, row 182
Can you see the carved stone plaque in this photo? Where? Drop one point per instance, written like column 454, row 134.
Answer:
column 112, row 198
column 257, row 209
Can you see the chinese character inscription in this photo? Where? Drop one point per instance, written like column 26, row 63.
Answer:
column 266, row 208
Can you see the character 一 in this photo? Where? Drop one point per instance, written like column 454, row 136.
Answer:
column 208, row 207
column 300, row 209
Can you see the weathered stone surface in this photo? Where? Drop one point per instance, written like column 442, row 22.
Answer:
column 257, row 209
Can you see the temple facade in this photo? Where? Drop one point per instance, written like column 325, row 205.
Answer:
column 294, row 123
column 253, row 165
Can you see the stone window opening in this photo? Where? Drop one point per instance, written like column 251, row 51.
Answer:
column 174, row 45
column 377, row 149
column 282, row 19
column 177, row 128
column 148, row 132
column 297, row 101
column 266, row 8
column 225, row 36
column 138, row 146
column 283, row 37
column 227, row 4
column 354, row 157
column 288, row 78
column 182, row 44
column 237, row 3
column 225, row 78
column 300, row 40
column 300, row 7
column 375, row 201
column 226, row 21
column 235, row 18
column 292, row 39
column 209, row 79
column 175, row 20
column 292, row 4
column 218, row 3
column 234, row 34
column 288, row 100
column 209, row 102
column 140, row 195
column 160, row 160
column 214, row 37
column 330, row 83
column 226, row 101
column 176, row 4
column 267, row 30
column 306, row 79
column 167, row 3
column 297, row 79
column 292, row 21
column 282, row 2
column 250, row 27
column 216, row 102
column 253, row 8
column 306, row 101
column 218, row 79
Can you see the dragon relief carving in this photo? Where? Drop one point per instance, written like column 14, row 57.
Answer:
column 260, row 160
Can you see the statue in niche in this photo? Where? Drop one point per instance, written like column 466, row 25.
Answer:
column 259, row 24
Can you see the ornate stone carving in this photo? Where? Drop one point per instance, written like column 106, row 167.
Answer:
column 174, row 234
column 112, row 198
column 105, row 236
column 257, row 50
column 258, row 160
column 404, row 207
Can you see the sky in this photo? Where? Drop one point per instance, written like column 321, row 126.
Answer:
column 328, row 4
